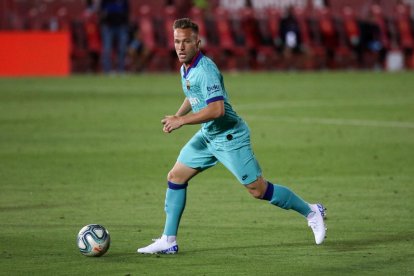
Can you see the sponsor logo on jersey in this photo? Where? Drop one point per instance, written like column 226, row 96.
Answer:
column 187, row 83
column 212, row 89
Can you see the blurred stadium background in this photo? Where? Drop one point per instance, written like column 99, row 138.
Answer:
column 61, row 37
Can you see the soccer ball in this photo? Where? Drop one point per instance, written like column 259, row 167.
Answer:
column 93, row 240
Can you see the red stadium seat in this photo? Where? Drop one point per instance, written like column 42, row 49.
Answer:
column 257, row 38
column 160, row 57
column 328, row 35
column 249, row 27
column 211, row 49
column 237, row 55
column 349, row 40
column 314, row 49
column 170, row 15
column 350, row 26
column 404, row 30
column 268, row 29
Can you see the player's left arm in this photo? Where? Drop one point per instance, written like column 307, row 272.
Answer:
column 213, row 111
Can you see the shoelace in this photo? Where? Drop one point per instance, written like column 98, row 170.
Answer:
column 322, row 210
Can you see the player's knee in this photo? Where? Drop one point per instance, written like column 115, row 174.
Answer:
column 255, row 193
column 175, row 177
column 171, row 176
column 257, row 188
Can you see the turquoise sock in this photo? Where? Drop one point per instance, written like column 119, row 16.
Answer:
column 284, row 198
column 175, row 199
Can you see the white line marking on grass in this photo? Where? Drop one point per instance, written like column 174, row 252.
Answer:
column 315, row 103
column 338, row 122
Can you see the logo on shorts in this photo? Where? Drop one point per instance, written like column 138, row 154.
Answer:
column 244, row 177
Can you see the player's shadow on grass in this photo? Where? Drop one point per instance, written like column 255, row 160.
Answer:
column 330, row 245
column 368, row 242
column 131, row 257
column 27, row 207
column 249, row 247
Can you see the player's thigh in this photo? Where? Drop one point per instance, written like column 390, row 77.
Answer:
column 242, row 163
column 196, row 154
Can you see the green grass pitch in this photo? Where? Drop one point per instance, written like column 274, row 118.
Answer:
column 90, row 149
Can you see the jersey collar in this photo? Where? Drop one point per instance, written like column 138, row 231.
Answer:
column 193, row 64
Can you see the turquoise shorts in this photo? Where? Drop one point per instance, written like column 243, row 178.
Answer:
column 200, row 154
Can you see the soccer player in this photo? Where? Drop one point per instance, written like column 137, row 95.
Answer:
column 224, row 137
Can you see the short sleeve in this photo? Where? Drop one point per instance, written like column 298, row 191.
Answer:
column 211, row 87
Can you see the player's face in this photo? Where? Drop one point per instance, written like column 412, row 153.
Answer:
column 186, row 45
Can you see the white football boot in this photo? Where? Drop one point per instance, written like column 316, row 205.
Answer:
column 160, row 246
column 316, row 222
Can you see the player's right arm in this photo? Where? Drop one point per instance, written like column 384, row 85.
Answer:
column 184, row 108
column 213, row 111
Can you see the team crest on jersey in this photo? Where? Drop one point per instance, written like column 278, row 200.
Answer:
column 187, row 83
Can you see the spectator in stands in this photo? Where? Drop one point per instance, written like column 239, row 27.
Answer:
column 371, row 44
column 114, row 19
column 374, row 35
column 329, row 34
column 289, row 41
column 93, row 38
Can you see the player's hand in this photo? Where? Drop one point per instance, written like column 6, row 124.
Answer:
column 171, row 123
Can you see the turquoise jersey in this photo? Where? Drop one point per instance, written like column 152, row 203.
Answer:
column 202, row 84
